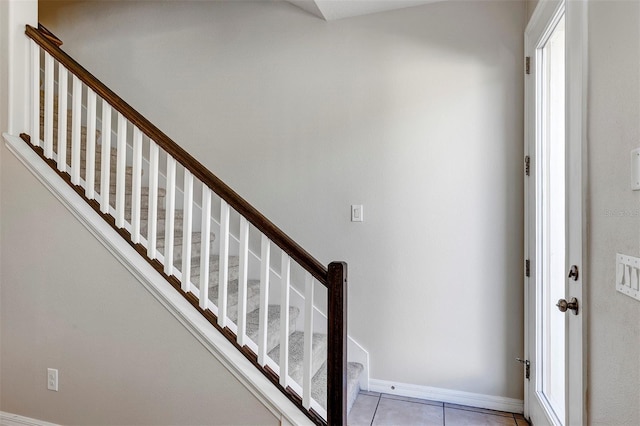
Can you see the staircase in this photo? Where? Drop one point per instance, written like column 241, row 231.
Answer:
column 241, row 304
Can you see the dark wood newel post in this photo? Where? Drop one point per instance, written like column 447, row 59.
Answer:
column 337, row 345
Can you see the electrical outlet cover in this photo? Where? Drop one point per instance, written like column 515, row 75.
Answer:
column 52, row 379
column 635, row 169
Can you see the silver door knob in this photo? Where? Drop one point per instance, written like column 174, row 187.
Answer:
column 572, row 305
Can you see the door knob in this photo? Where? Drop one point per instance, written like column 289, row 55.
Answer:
column 572, row 305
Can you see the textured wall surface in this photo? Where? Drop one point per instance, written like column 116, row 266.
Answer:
column 614, row 130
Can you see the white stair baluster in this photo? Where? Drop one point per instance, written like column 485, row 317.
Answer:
column 285, row 274
column 263, row 313
column 187, row 226
column 205, row 242
column 308, row 342
column 90, row 175
column 48, row 105
column 121, row 163
column 169, row 215
column 152, row 222
column 76, row 137
column 63, row 82
column 243, row 262
column 136, row 185
column 223, row 264
column 35, row 94
column 105, row 161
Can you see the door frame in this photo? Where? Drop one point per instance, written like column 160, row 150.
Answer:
column 576, row 19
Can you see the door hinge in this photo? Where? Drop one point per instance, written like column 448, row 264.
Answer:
column 527, row 268
column 527, row 65
column 527, row 367
column 527, row 165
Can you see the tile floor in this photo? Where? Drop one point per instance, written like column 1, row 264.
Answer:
column 375, row 409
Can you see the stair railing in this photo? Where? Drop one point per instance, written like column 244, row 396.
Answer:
column 185, row 175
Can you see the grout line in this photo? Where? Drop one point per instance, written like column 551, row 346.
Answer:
column 479, row 410
column 376, row 410
column 421, row 402
column 444, row 418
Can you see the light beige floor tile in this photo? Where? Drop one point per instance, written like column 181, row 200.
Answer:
column 478, row 410
column 406, row 398
column 363, row 392
column 455, row 417
column 363, row 409
column 392, row 412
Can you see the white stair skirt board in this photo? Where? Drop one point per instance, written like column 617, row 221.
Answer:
column 8, row 419
column 469, row 399
column 274, row 400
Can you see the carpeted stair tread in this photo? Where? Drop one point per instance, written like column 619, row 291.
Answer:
column 83, row 151
column 296, row 354
column 253, row 296
column 319, row 384
column 144, row 198
column 196, row 246
column 55, row 118
column 196, row 237
column 160, row 224
column 161, row 214
column 273, row 325
column 213, row 266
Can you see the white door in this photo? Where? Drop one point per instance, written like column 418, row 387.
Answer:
column 555, row 47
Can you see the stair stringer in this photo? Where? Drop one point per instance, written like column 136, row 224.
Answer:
column 235, row 362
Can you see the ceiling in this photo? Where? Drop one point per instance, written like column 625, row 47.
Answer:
column 330, row 10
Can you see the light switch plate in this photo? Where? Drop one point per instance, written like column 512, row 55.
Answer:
column 357, row 213
column 635, row 169
column 628, row 275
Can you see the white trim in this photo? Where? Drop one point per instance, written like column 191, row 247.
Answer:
column 577, row 67
column 8, row 419
column 356, row 353
column 469, row 399
column 576, row 14
column 240, row 367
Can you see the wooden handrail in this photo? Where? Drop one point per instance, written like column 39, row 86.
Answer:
column 275, row 234
column 51, row 36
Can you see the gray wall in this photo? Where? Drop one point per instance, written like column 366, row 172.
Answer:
column 416, row 113
column 68, row 304
column 614, row 210
column 531, row 6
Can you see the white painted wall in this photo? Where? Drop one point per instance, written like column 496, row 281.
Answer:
column 614, row 210
column 416, row 113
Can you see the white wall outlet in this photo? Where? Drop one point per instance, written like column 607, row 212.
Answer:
column 52, row 379
column 635, row 169
column 357, row 213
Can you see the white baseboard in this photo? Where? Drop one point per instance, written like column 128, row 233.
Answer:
column 8, row 419
column 490, row 402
